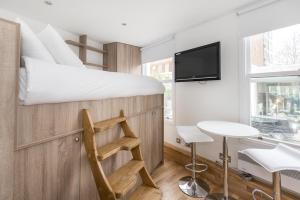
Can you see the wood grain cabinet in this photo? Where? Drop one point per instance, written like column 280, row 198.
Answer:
column 49, row 171
column 122, row 57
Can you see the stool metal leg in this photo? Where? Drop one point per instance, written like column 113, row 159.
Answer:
column 276, row 188
column 193, row 186
column 194, row 159
column 225, row 195
column 277, row 185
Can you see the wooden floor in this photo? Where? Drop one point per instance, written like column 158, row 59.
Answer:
column 167, row 176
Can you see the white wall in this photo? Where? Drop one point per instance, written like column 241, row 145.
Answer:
column 37, row 26
column 213, row 100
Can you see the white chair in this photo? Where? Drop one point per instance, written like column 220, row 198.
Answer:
column 191, row 185
column 282, row 157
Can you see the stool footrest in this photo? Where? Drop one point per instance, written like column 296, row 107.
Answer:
column 255, row 191
column 198, row 167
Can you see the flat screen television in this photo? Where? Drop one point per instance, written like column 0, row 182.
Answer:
column 198, row 64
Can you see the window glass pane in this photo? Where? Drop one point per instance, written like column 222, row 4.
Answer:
column 162, row 70
column 168, row 100
column 275, row 106
column 275, row 51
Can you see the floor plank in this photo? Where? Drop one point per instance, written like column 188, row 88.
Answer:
column 167, row 176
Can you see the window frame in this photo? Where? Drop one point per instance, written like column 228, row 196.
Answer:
column 245, row 90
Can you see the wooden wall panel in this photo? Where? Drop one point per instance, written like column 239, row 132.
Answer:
column 9, row 65
column 40, row 123
column 49, row 171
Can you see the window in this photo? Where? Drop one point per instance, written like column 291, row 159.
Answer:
column 162, row 71
column 274, row 71
column 275, row 51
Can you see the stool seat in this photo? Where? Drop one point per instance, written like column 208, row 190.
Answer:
column 282, row 157
column 191, row 134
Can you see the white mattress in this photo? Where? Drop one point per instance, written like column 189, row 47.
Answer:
column 42, row 82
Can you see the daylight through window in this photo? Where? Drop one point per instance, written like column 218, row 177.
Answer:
column 274, row 63
column 162, row 70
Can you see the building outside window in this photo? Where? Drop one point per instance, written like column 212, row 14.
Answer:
column 273, row 60
column 162, row 70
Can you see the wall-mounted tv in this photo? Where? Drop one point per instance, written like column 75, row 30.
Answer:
column 198, row 64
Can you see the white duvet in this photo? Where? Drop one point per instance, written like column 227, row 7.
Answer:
column 42, row 82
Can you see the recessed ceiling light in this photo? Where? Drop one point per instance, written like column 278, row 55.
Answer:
column 124, row 24
column 49, row 3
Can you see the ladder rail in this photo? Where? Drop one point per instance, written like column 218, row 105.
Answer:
column 104, row 189
column 146, row 178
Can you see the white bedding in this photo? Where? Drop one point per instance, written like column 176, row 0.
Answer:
column 42, row 82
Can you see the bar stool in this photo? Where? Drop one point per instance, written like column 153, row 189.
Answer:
column 190, row 185
column 282, row 157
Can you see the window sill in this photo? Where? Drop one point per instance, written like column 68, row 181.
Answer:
column 274, row 74
column 270, row 141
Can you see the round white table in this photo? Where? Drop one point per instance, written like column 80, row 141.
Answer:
column 226, row 130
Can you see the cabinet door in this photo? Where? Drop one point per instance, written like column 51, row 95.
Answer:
column 128, row 59
column 123, row 58
column 49, row 171
column 135, row 60
column 152, row 138
column 157, row 137
column 88, row 189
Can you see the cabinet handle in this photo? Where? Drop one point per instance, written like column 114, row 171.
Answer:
column 76, row 139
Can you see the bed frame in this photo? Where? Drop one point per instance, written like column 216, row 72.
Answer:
column 41, row 149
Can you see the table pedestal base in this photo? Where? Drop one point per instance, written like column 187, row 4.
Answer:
column 218, row 196
column 193, row 187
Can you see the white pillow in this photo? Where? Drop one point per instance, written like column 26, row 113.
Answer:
column 31, row 45
column 58, row 48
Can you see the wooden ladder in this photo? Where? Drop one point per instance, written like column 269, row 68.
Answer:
column 125, row 178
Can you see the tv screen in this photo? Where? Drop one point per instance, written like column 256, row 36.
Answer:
column 198, row 64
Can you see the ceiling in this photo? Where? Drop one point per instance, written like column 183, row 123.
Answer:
column 147, row 20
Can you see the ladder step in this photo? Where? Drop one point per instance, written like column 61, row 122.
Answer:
column 124, row 143
column 146, row 193
column 107, row 124
column 125, row 178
